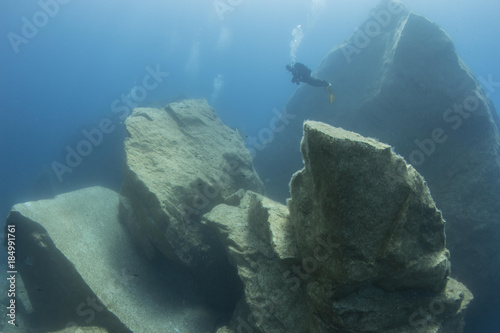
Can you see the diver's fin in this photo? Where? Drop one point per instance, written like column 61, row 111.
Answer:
column 332, row 97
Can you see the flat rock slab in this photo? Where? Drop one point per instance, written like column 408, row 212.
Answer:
column 80, row 268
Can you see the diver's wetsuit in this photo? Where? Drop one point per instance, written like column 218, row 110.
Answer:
column 301, row 73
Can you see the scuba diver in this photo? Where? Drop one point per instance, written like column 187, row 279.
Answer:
column 301, row 73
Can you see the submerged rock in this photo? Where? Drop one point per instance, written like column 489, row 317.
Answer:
column 359, row 248
column 80, row 268
column 180, row 162
column 260, row 240
column 398, row 78
column 386, row 255
column 362, row 248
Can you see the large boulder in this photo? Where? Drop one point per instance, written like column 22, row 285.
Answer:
column 398, row 78
column 180, row 162
column 361, row 247
column 389, row 256
column 79, row 267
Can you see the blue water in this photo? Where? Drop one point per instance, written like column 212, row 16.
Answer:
column 87, row 54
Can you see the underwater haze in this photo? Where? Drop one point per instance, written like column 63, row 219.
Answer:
column 68, row 64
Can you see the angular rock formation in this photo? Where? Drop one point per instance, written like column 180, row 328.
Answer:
column 361, row 250
column 389, row 257
column 80, row 268
column 399, row 79
column 180, row 162
column 260, row 241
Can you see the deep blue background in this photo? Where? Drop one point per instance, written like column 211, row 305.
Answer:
column 91, row 52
